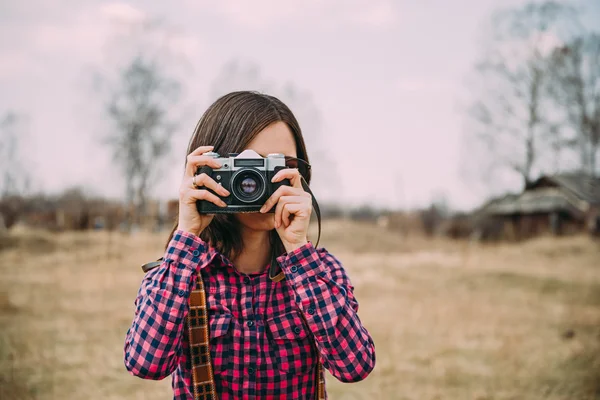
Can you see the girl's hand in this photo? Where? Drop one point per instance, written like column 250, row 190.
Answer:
column 292, row 213
column 190, row 220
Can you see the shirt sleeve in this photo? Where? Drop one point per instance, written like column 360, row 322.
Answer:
column 153, row 342
column 325, row 296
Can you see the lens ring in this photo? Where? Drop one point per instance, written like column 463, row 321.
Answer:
column 248, row 185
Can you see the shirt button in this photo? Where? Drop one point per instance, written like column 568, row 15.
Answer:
column 297, row 330
column 246, row 280
column 294, row 268
column 196, row 253
column 250, row 323
column 250, row 370
column 311, row 311
column 181, row 293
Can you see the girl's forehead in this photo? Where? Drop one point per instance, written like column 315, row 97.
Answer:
column 275, row 138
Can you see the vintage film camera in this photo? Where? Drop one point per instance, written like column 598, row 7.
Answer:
column 247, row 177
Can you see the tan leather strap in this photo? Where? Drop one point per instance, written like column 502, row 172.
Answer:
column 203, row 381
column 320, row 382
column 320, row 376
column 197, row 329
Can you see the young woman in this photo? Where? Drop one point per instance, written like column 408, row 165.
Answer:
column 262, row 332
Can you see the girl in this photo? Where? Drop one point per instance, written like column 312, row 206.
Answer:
column 266, row 336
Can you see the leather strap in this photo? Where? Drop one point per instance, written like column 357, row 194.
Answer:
column 151, row 265
column 203, row 380
column 197, row 329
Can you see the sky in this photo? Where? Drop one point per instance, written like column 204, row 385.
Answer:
column 387, row 78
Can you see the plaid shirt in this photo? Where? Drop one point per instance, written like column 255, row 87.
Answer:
column 260, row 346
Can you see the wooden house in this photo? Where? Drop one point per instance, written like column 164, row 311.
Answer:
column 559, row 204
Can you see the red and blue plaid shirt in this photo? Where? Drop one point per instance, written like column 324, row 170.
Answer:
column 260, row 346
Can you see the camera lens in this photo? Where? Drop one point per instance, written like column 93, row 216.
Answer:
column 248, row 185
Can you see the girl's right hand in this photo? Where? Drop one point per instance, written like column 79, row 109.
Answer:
column 190, row 220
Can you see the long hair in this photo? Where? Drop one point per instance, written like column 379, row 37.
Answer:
column 229, row 125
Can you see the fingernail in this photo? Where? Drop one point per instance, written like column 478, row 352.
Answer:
column 223, row 204
column 262, row 209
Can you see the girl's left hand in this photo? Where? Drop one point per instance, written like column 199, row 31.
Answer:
column 292, row 213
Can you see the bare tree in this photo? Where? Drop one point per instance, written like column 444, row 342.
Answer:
column 576, row 89
column 236, row 75
column 138, row 107
column 14, row 179
column 509, row 116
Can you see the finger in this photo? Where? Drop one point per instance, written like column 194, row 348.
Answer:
column 289, row 173
column 285, row 216
column 290, row 210
column 282, row 191
column 283, row 200
column 281, row 207
column 193, row 162
column 201, row 150
column 208, row 182
column 200, row 194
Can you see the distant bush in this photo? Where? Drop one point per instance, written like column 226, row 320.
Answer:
column 69, row 210
column 459, row 226
column 11, row 210
column 407, row 223
column 364, row 213
column 332, row 211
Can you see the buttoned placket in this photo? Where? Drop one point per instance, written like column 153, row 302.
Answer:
column 250, row 333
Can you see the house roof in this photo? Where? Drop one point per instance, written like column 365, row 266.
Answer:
column 583, row 186
column 572, row 193
column 542, row 200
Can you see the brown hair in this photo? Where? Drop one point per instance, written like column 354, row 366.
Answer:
column 229, row 125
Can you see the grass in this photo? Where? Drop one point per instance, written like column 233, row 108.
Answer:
column 450, row 320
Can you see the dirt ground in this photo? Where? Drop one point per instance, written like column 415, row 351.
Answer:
column 450, row 320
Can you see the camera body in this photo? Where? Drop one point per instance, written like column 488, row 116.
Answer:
column 247, row 176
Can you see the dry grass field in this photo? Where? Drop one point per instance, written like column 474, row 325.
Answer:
column 450, row 320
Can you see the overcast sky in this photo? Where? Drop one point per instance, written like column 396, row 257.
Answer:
column 388, row 78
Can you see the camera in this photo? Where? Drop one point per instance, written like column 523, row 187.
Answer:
column 247, row 176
